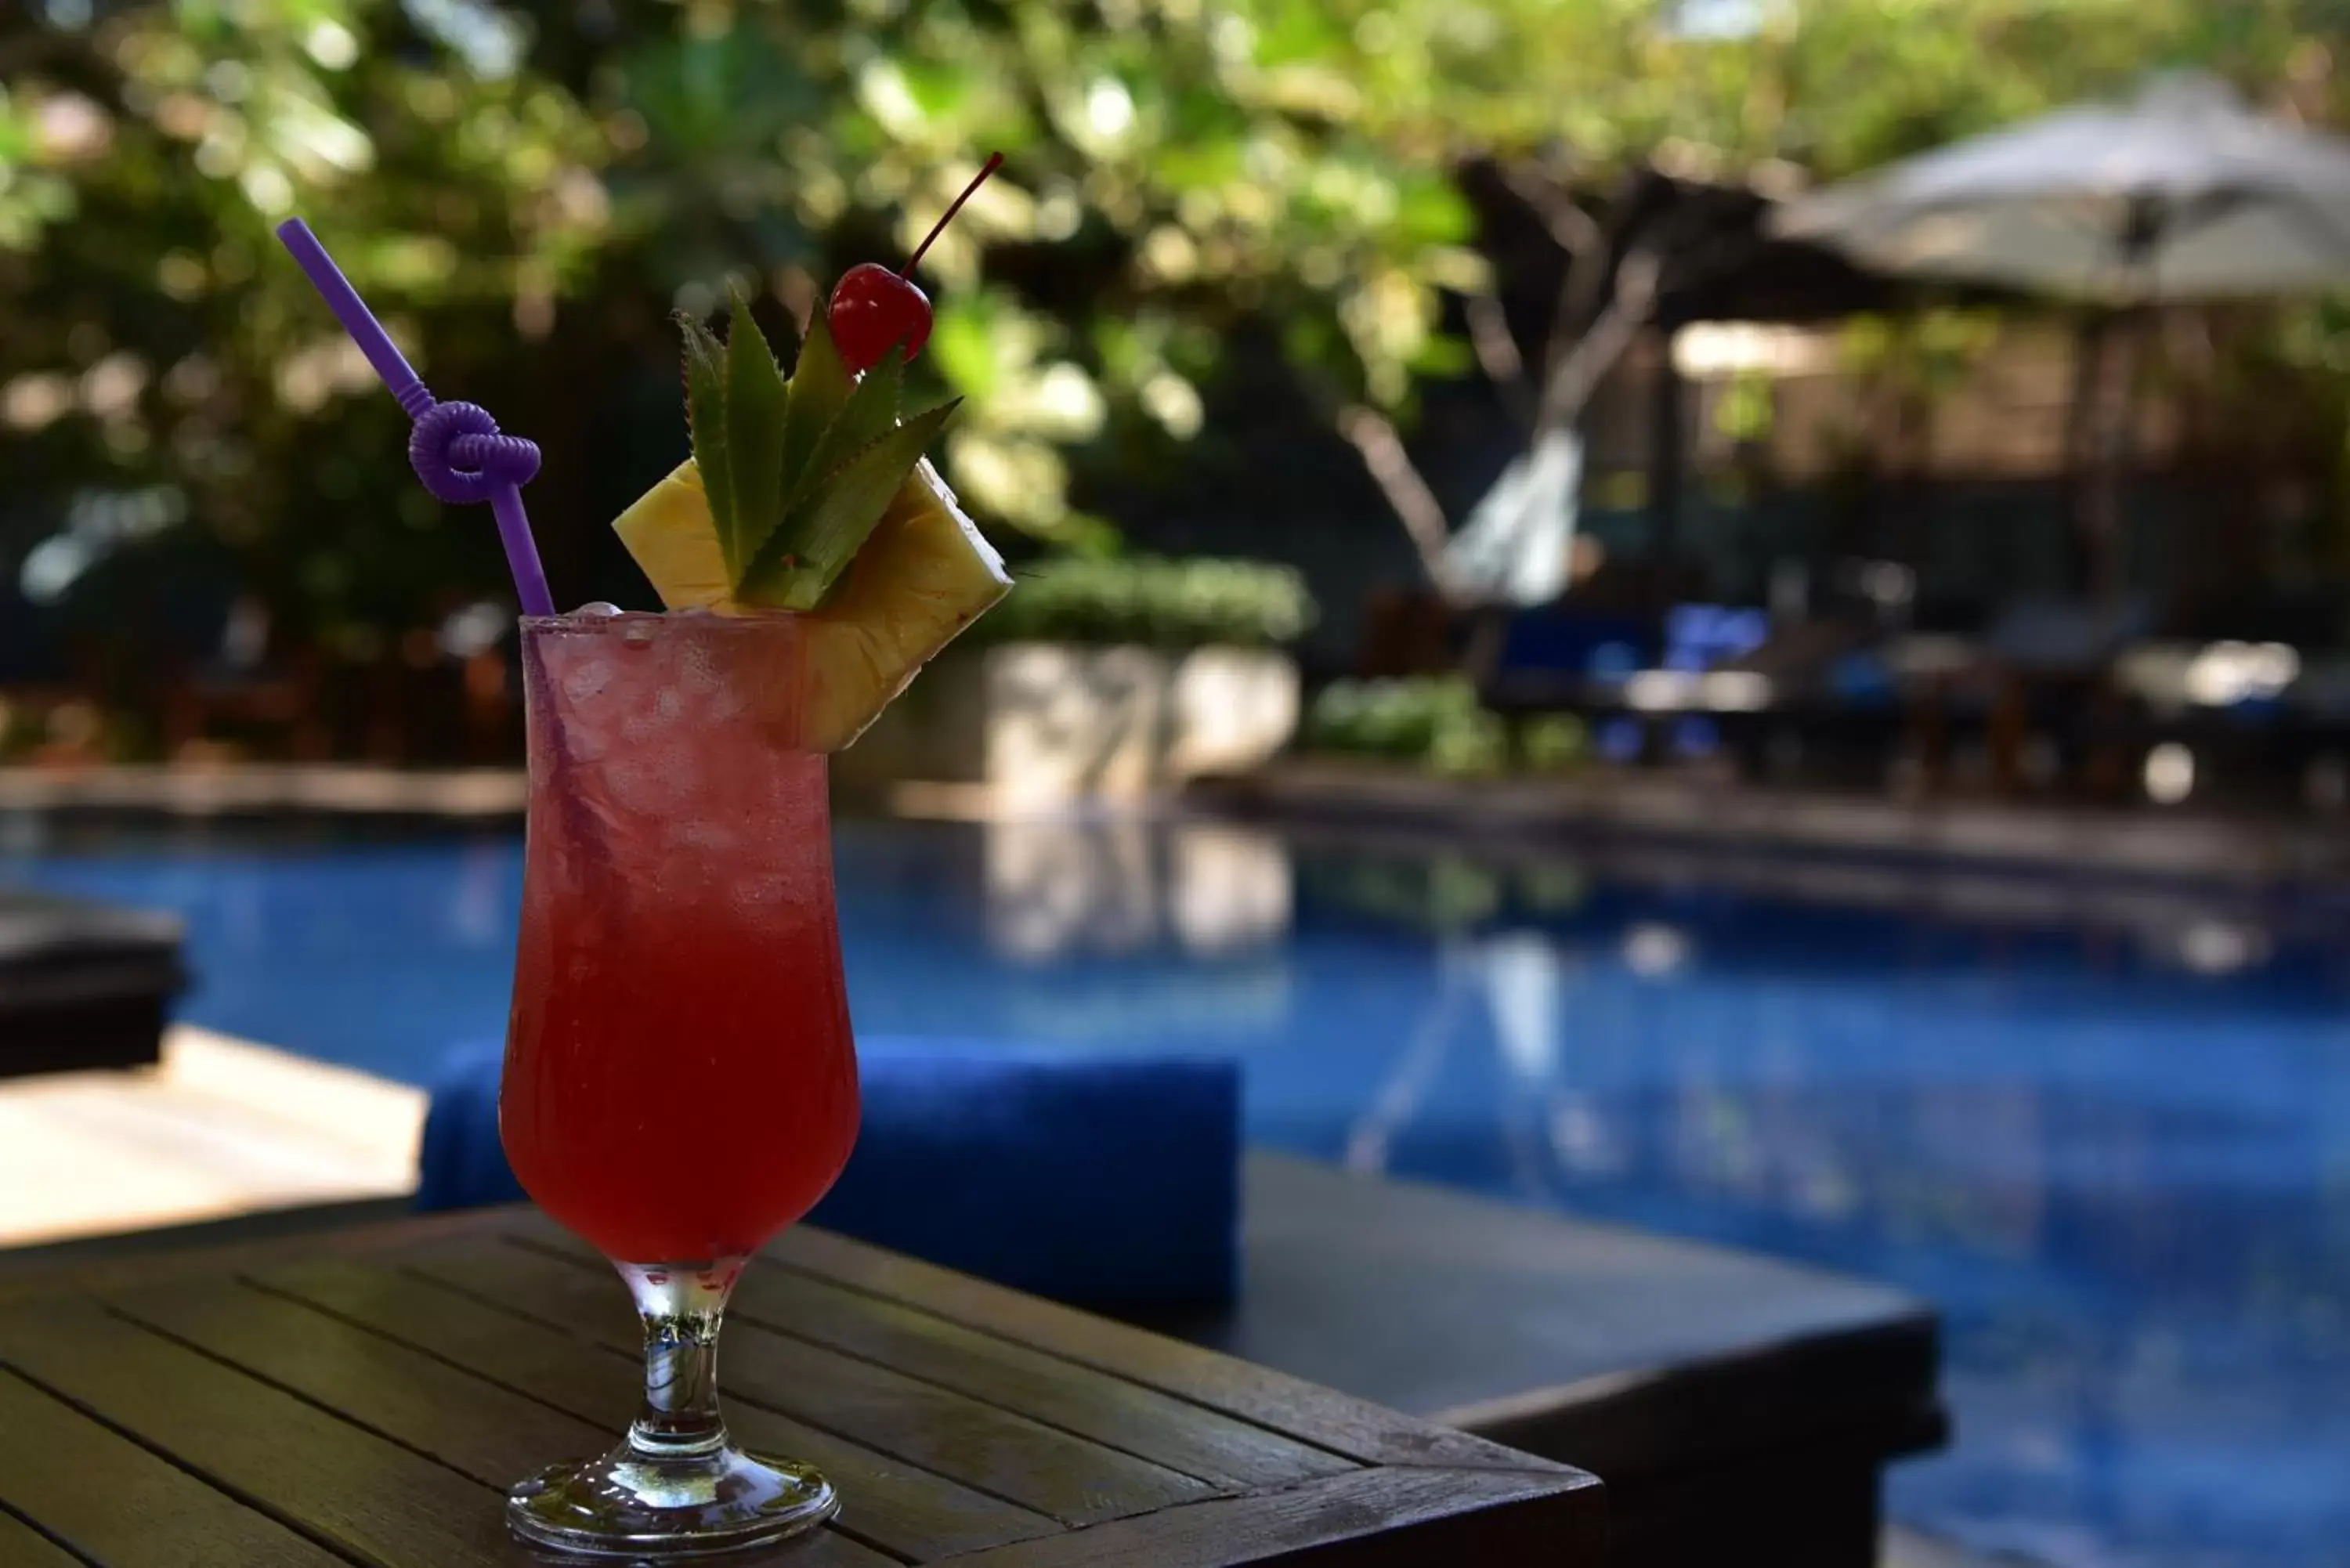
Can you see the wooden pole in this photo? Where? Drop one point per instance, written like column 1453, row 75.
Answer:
column 1668, row 394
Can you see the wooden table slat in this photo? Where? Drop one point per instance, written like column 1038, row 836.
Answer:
column 23, row 1277
column 22, row 1546
column 1367, row 1519
column 1191, row 1438
column 1345, row 1425
column 472, row 1427
column 118, row 1505
column 375, row 1502
column 373, row 1499
column 997, row 1451
column 361, row 1401
column 897, row 1506
column 1183, row 1436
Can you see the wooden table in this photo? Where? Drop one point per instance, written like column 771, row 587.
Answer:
column 365, row 1398
column 1726, row 1400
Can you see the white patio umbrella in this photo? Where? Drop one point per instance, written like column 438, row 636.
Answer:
column 2181, row 194
column 1515, row 547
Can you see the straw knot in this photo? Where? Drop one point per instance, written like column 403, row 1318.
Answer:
column 457, row 451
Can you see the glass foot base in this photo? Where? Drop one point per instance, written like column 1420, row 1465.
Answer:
column 626, row 1505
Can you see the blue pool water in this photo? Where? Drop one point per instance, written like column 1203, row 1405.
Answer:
column 2108, row 1134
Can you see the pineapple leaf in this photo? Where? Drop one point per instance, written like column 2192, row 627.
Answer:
column 756, row 400
column 805, row 557
column 869, row 414
column 705, row 399
column 820, row 385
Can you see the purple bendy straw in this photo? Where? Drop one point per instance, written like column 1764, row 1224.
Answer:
column 456, row 448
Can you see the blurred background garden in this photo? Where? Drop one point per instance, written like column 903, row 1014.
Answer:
column 1286, row 283
column 1597, row 685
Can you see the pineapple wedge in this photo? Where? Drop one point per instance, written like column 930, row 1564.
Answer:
column 923, row 574
column 669, row 531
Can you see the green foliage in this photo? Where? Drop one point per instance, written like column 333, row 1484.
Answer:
column 526, row 196
column 1178, row 172
column 1554, row 743
column 1438, row 723
column 1434, row 721
column 157, row 339
column 1157, row 603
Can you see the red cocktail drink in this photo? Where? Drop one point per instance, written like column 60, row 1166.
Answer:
column 680, row 1080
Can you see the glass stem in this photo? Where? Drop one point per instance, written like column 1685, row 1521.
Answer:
column 682, row 1306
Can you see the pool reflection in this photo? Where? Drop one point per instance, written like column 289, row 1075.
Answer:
column 2110, row 1137
column 2106, row 1128
column 1056, row 888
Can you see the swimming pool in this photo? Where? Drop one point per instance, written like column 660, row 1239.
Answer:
column 2109, row 1133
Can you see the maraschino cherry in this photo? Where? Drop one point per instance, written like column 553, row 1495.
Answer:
column 873, row 308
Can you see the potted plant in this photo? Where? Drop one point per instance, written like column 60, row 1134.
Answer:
column 1115, row 677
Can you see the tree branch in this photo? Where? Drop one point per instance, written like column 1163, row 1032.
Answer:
column 1373, row 435
column 1577, row 374
column 1497, row 353
column 1576, row 232
column 1574, row 364
column 1578, row 305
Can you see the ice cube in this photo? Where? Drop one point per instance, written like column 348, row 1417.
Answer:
column 636, row 784
column 681, row 778
column 705, row 836
column 588, row 681
column 698, row 669
column 762, row 895
column 726, row 702
column 642, row 726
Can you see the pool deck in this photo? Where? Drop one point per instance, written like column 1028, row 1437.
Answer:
column 1602, row 805
column 1905, row 1549
column 220, row 1127
column 1659, row 807
column 325, row 789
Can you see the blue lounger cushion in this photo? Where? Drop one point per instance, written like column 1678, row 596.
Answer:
column 1090, row 1180
column 460, row 1164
